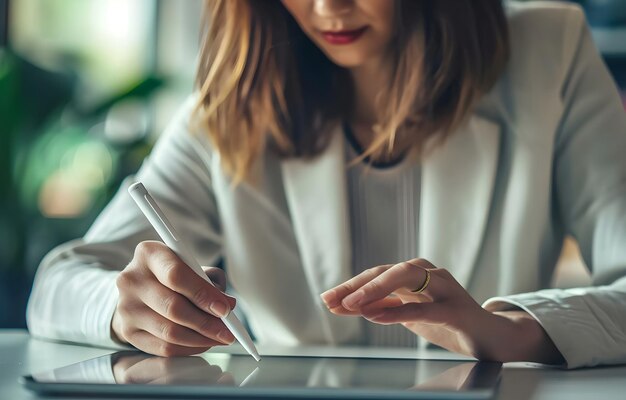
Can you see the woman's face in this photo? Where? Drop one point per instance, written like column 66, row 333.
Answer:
column 349, row 32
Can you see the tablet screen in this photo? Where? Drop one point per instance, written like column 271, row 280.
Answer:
column 135, row 373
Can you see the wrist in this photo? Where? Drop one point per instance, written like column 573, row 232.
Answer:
column 495, row 338
column 526, row 339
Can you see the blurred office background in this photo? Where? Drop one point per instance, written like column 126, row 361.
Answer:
column 85, row 88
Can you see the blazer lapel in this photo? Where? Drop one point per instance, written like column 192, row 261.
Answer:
column 456, row 196
column 317, row 198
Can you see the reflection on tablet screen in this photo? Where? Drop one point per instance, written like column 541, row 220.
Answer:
column 226, row 370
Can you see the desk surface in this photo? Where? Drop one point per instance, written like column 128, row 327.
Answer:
column 21, row 355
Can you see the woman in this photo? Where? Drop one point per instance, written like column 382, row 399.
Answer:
column 401, row 161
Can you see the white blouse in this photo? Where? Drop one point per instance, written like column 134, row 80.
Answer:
column 384, row 210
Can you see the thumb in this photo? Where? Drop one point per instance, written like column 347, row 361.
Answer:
column 218, row 277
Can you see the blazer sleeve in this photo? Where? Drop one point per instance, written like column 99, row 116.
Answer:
column 588, row 325
column 74, row 293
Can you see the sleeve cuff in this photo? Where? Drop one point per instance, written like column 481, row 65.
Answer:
column 577, row 326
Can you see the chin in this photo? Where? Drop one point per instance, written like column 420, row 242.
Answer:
column 347, row 61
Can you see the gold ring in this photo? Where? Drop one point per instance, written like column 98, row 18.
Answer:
column 425, row 285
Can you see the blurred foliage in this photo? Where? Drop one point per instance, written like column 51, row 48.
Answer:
column 59, row 164
column 80, row 104
column 29, row 96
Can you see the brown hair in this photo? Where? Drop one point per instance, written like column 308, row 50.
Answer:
column 263, row 82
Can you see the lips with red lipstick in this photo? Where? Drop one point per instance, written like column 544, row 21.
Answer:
column 343, row 37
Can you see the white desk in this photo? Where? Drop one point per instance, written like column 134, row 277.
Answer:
column 21, row 355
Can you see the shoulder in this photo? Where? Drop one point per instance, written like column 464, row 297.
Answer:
column 187, row 125
column 184, row 137
column 556, row 23
column 186, row 119
column 548, row 40
column 543, row 13
column 544, row 37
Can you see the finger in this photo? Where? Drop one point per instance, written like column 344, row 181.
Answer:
column 217, row 276
column 429, row 313
column 171, row 332
column 126, row 361
column 403, row 275
column 149, row 343
column 334, row 296
column 146, row 370
column 128, row 376
column 208, row 374
column 123, row 364
column 178, row 370
column 180, row 310
column 421, row 262
column 377, row 305
column 174, row 274
column 227, row 379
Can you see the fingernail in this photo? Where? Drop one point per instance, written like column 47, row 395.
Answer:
column 373, row 317
column 219, row 309
column 330, row 298
column 353, row 300
column 226, row 337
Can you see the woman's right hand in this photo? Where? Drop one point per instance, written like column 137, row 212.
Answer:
column 150, row 370
column 165, row 308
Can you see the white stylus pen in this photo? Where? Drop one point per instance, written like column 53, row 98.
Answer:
column 165, row 229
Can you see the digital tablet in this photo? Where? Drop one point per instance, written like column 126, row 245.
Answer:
column 222, row 375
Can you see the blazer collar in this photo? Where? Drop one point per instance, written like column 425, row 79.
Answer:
column 456, row 194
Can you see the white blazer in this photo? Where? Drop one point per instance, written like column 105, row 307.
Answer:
column 542, row 156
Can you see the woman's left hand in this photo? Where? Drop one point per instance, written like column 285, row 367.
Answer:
column 444, row 313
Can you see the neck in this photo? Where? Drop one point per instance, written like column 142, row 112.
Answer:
column 369, row 79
